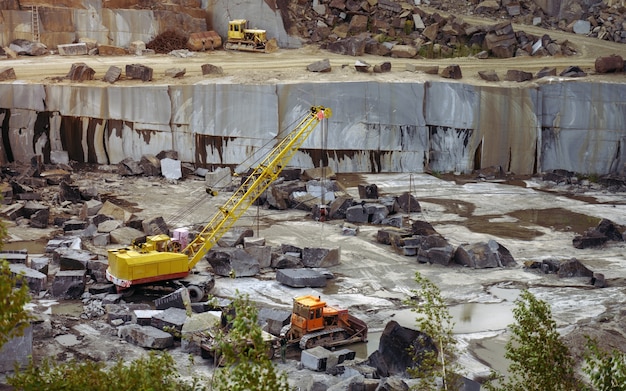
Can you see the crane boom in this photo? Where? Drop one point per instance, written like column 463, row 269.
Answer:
column 254, row 185
column 158, row 260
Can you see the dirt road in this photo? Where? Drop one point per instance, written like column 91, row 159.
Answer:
column 290, row 64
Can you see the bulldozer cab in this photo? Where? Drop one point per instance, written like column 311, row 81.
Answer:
column 236, row 28
column 308, row 313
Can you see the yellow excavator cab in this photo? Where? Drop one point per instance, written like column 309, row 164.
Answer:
column 236, row 28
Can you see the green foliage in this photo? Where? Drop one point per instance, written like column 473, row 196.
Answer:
column 154, row 372
column 13, row 317
column 434, row 320
column 539, row 360
column 247, row 365
column 607, row 371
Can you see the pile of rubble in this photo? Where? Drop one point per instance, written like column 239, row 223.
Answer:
column 386, row 24
column 389, row 28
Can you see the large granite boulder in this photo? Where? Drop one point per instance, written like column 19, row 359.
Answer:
column 400, row 348
column 232, row 262
column 484, row 255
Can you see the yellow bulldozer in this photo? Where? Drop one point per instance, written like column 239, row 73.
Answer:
column 240, row 37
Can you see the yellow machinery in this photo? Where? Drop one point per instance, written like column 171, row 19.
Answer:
column 240, row 37
column 314, row 323
column 161, row 258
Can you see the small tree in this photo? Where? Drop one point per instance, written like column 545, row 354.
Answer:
column 607, row 371
column 13, row 317
column 435, row 321
column 247, row 365
column 540, row 361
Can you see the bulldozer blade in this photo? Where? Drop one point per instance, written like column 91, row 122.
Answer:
column 271, row 46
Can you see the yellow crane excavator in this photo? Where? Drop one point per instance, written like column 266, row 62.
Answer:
column 162, row 258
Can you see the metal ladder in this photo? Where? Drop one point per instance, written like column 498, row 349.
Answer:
column 34, row 22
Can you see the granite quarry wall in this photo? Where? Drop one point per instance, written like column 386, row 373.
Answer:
column 443, row 126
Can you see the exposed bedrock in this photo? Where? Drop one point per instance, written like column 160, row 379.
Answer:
column 375, row 127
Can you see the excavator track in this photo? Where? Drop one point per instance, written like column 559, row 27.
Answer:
column 326, row 338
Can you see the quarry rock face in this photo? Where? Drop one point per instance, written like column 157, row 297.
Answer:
column 451, row 135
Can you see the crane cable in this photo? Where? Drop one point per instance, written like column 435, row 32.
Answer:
column 193, row 206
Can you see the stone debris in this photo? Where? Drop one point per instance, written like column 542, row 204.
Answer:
column 489, row 75
column 605, row 231
column 81, row 72
column 176, row 73
column 320, row 66
column 517, row 75
column 138, row 71
column 36, row 281
column 320, row 359
column 7, row 73
column 146, row 336
column 110, row 50
column 210, row 69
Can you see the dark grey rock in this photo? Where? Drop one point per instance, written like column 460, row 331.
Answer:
column 233, row 262
column 399, row 350
column 490, row 75
column 320, row 257
column 408, row 204
column 573, row 268
column 483, row 255
column 112, row 74
column 155, row 226
column 138, row 71
column 300, row 278
column 356, row 214
column 146, row 336
column 286, row 261
column 368, row 192
column 35, row 280
column 452, row 72
column 173, row 318
column 319, row 66
column 17, row 351
column 73, row 259
column 68, row 284
column 517, row 75
column 263, row 255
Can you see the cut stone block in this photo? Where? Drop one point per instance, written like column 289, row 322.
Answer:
column 113, row 74
column 146, row 336
column 195, row 324
column 138, row 71
column 171, row 169
column 263, row 255
column 321, row 257
column 316, row 359
column 40, row 264
column 35, row 280
column 172, row 317
column 124, row 312
column 125, row 235
column 81, row 72
column 300, row 278
column 69, row 284
column 7, row 73
column 73, row 49
column 219, row 178
column 356, row 214
column 144, row 317
column 14, row 256
column 17, row 351
column 230, row 261
column 71, row 259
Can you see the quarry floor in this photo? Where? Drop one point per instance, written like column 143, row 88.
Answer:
column 533, row 219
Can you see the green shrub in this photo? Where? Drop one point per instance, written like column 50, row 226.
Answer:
column 607, row 371
column 154, row 372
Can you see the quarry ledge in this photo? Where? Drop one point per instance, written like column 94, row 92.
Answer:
column 379, row 125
